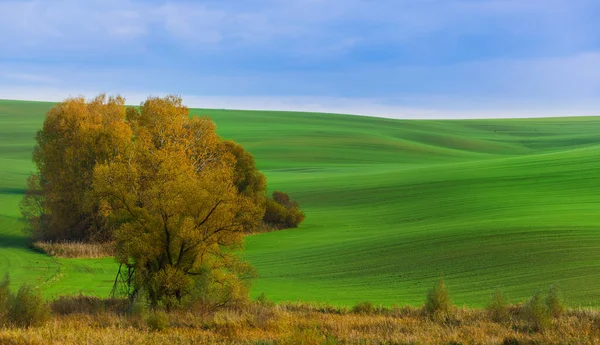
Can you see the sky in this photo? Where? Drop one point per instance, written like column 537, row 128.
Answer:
column 388, row 58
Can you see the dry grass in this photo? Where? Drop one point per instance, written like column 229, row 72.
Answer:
column 75, row 249
column 299, row 323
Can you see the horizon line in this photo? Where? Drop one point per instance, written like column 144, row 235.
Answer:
column 429, row 114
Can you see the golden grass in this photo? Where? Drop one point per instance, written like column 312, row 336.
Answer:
column 306, row 324
column 75, row 249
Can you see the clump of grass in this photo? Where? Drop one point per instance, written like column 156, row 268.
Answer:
column 314, row 307
column 158, row 320
column 537, row 314
column 263, row 312
column 554, row 301
column 4, row 299
column 264, row 301
column 498, row 307
column 438, row 304
column 228, row 323
column 75, row 249
column 309, row 336
column 138, row 311
column 81, row 304
column 405, row 311
column 365, row 308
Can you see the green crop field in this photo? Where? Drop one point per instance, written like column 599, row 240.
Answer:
column 391, row 206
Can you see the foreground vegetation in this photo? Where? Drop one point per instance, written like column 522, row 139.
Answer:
column 89, row 321
column 390, row 206
column 25, row 318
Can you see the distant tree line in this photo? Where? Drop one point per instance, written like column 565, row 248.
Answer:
column 172, row 195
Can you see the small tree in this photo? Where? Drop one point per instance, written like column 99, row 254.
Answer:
column 438, row 302
column 554, row 301
column 537, row 313
column 498, row 306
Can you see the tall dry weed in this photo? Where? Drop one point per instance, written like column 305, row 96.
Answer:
column 75, row 249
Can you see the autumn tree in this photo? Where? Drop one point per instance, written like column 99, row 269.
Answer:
column 75, row 137
column 174, row 194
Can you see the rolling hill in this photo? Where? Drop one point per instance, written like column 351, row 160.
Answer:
column 391, row 206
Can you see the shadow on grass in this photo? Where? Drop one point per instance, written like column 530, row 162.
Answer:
column 12, row 191
column 12, row 235
column 14, row 241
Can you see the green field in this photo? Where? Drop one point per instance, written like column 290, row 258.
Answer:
column 391, row 206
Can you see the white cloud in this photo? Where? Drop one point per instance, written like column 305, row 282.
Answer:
column 29, row 78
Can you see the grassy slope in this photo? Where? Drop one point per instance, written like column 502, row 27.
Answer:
column 391, row 205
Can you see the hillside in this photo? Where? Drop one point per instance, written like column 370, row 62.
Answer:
column 391, row 205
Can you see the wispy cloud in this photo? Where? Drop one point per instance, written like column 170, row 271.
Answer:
column 28, row 78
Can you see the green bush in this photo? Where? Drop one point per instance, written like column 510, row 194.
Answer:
column 537, row 313
column 281, row 212
column 498, row 307
column 438, row 302
column 363, row 308
column 158, row 320
column 554, row 301
column 28, row 308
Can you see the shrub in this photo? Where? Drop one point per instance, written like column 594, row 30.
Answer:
column 537, row 313
column 498, row 307
column 158, row 320
column 438, row 301
column 27, row 308
column 554, row 301
column 363, row 308
column 281, row 212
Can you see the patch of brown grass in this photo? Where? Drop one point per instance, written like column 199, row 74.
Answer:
column 66, row 305
column 294, row 323
column 75, row 249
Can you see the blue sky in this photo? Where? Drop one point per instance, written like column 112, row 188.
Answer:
column 392, row 58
